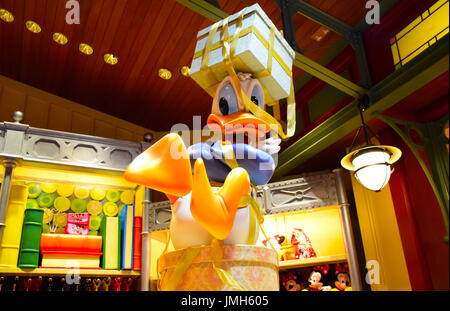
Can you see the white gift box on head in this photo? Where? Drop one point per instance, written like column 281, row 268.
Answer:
column 259, row 49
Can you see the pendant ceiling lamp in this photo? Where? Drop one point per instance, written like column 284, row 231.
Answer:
column 371, row 164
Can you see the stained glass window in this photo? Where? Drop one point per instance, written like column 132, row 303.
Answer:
column 422, row 33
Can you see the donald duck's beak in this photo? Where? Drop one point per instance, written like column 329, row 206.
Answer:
column 230, row 115
column 238, row 123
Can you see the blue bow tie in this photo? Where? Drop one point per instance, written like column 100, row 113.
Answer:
column 259, row 164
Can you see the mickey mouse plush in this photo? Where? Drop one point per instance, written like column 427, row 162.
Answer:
column 342, row 282
column 289, row 282
column 316, row 276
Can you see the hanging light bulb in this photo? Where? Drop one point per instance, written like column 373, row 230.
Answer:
column 85, row 49
column 33, row 27
column 371, row 165
column 6, row 16
column 60, row 38
column 165, row 74
column 111, row 59
column 185, row 70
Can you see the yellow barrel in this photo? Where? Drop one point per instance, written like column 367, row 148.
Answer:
column 10, row 243
column 253, row 268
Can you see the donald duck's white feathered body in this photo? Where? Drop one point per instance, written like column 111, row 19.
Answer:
column 243, row 158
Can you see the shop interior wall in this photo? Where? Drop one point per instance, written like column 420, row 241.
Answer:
column 418, row 214
column 386, row 265
column 45, row 110
column 420, row 221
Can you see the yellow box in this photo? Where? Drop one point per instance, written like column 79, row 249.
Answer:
column 10, row 243
column 260, row 49
column 253, row 268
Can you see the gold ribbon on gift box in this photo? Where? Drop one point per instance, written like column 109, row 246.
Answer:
column 230, row 61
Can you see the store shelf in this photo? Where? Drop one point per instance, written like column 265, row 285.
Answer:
column 310, row 262
column 83, row 272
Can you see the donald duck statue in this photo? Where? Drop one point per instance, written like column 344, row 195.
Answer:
column 243, row 157
column 200, row 214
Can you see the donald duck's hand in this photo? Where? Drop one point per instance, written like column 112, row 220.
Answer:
column 270, row 145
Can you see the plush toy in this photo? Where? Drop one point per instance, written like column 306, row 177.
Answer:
column 315, row 280
column 276, row 242
column 303, row 245
column 342, row 282
column 289, row 282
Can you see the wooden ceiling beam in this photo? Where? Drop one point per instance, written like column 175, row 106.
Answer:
column 205, row 9
column 353, row 35
column 333, row 52
column 320, row 17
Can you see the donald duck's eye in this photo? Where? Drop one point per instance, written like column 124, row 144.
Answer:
column 257, row 97
column 223, row 106
column 228, row 103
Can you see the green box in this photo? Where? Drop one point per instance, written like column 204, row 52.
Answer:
column 31, row 238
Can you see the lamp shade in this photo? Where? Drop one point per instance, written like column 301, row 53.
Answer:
column 372, row 165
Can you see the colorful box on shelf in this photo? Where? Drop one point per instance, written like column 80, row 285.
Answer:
column 71, row 244
column 126, row 218
column 137, row 248
column 12, row 232
column 66, row 261
column 252, row 268
column 70, row 251
column 31, row 236
column 76, row 229
column 257, row 39
column 78, row 218
column 77, row 223
column 110, row 230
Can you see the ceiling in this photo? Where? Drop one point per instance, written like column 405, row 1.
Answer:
column 430, row 103
column 145, row 36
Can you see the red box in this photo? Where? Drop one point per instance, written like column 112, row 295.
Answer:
column 71, row 244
